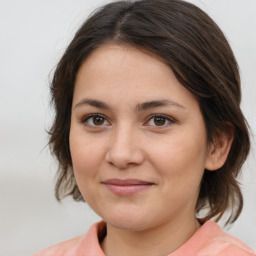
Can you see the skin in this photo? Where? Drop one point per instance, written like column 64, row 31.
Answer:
column 126, row 142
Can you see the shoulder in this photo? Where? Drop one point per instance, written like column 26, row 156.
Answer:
column 87, row 244
column 224, row 244
column 63, row 248
column 211, row 240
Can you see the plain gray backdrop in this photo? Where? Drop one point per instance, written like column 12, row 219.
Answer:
column 33, row 36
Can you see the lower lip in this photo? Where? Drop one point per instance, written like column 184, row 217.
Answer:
column 126, row 190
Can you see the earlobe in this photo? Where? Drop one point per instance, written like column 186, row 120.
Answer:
column 219, row 149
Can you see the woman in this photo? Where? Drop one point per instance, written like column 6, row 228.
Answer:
column 149, row 132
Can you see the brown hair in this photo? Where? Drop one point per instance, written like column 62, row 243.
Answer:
column 196, row 50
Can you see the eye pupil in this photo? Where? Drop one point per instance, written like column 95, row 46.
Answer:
column 159, row 121
column 98, row 120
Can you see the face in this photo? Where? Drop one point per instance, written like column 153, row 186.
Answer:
column 137, row 139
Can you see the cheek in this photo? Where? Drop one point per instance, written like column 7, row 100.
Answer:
column 86, row 154
column 180, row 167
column 180, row 160
column 86, row 158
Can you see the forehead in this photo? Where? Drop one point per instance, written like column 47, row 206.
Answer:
column 112, row 57
column 119, row 70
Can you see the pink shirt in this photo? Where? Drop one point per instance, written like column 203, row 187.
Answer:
column 209, row 240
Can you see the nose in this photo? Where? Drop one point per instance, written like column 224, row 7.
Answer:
column 125, row 149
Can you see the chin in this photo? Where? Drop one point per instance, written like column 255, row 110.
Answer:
column 127, row 225
column 128, row 221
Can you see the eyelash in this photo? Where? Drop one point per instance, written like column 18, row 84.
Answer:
column 86, row 118
column 165, row 118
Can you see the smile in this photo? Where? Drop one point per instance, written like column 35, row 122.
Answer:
column 126, row 187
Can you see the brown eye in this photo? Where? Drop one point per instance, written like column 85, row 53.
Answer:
column 95, row 120
column 98, row 120
column 159, row 121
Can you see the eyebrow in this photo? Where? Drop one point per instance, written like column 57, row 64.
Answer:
column 140, row 107
column 93, row 103
column 157, row 103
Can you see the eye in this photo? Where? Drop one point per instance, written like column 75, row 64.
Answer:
column 95, row 120
column 160, row 121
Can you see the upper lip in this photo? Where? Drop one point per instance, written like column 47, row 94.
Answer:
column 126, row 182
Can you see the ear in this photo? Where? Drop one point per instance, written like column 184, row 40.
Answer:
column 219, row 148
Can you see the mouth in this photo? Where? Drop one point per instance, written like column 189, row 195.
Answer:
column 127, row 187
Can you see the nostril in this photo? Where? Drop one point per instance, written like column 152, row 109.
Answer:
column 123, row 158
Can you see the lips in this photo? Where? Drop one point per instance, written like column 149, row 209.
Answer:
column 127, row 187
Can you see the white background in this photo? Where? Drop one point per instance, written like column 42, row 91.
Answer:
column 33, row 36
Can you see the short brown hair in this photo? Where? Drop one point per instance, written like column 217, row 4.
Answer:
column 196, row 50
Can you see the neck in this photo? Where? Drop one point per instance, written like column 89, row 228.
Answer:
column 158, row 241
